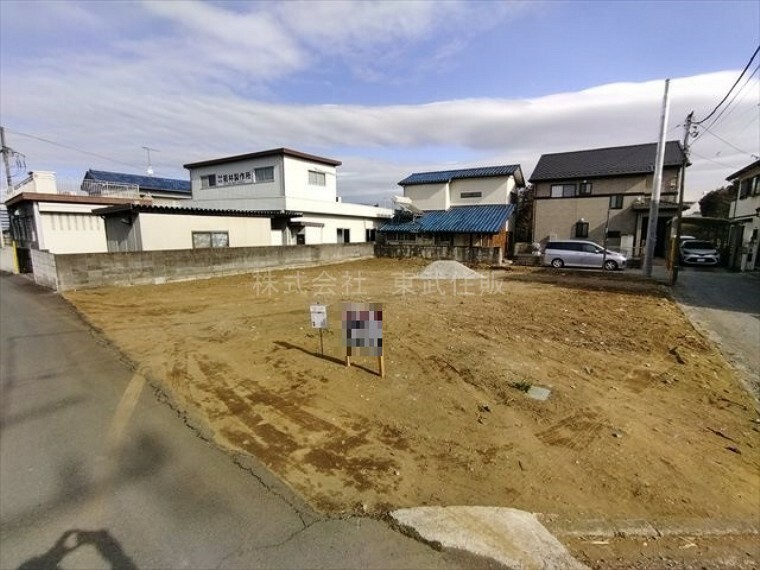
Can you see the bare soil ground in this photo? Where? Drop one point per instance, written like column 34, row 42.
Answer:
column 645, row 418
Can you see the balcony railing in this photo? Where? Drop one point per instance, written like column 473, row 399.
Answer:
column 669, row 202
column 46, row 183
column 110, row 189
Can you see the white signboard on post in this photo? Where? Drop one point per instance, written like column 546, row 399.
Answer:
column 318, row 316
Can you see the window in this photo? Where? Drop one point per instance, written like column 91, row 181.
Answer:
column 584, row 189
column 210, row 239
column 444, row 239
column 563, row 190
column 471, row 195
column 588, row 248
column 317, row 178
column 749, row 187
column 208, row 181
column 613, row 234
column 263, row 174
column 616, row 202
column 370, row 234
column 344, row 235
column 581, row 229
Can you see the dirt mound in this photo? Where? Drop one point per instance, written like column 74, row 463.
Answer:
column 448, row 270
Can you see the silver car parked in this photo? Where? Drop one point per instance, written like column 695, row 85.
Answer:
column 576, row 253
column 699, row 252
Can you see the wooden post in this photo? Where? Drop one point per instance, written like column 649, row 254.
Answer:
column 381, row 360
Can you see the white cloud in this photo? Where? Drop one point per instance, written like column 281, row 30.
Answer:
column 186, row 90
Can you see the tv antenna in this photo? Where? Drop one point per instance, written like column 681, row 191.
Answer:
column 150, row 166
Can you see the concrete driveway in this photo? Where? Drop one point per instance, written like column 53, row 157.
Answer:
column 96, row 471
column 726, row 306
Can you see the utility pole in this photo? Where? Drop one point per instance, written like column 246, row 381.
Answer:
column 676, row 253
column 6, row 159
column 654, row 206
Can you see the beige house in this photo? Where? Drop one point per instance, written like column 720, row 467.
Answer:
column 582, row 194
column 48, row 216
column 744, row 216
column 145, row 227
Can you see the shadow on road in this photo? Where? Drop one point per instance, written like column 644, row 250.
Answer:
column 106, row 546
column 142, row 457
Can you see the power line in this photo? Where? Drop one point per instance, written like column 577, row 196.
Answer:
column 69, row 147
column 711, row 160
column 736, row 148
column 728, row 106
column 746, row 67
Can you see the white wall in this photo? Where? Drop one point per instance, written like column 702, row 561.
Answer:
column 746, row 207
column 494, row 190
column 297, row 180
column 71, row 228
column 429, row 196
column 328, row 233
column 174, row 231
column 239, row 191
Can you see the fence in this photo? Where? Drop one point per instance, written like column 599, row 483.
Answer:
column 87, row 270
column 476, row 255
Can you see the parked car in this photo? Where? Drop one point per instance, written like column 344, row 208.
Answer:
column 699, row 252
column 576, row 253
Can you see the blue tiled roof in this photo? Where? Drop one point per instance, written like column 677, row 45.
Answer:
column 449, row 175
column 146, row 183
column 488, row 219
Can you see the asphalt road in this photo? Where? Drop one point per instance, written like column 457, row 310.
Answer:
column 95, row 471
column 727, row 306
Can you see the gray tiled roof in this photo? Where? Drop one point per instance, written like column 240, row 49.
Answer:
column 612, row 161
column 146, row 183
column 449, row 175
column 486, row 219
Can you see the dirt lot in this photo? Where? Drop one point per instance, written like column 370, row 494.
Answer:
column 645, row 419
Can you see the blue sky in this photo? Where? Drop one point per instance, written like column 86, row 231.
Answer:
column 387, row 87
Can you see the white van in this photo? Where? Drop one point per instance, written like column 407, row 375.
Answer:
column 576, row 253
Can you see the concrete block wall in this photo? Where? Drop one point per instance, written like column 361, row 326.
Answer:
column 44, row 268
column 7, row 259
column 475, row 255
column 88, row 270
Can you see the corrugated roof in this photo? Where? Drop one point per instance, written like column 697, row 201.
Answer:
column 487, row 219
column 449, row 175
column 160, row 209
column 264, row 153
column 145, row 183
column 612, row 161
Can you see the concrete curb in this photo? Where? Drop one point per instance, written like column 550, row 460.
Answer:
column 623, row 528
column 513, row 538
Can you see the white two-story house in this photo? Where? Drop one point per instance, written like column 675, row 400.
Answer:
column 301, row 186
column 744, row 216
column 471, row 207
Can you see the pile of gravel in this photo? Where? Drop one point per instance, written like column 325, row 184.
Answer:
column 448, row 270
